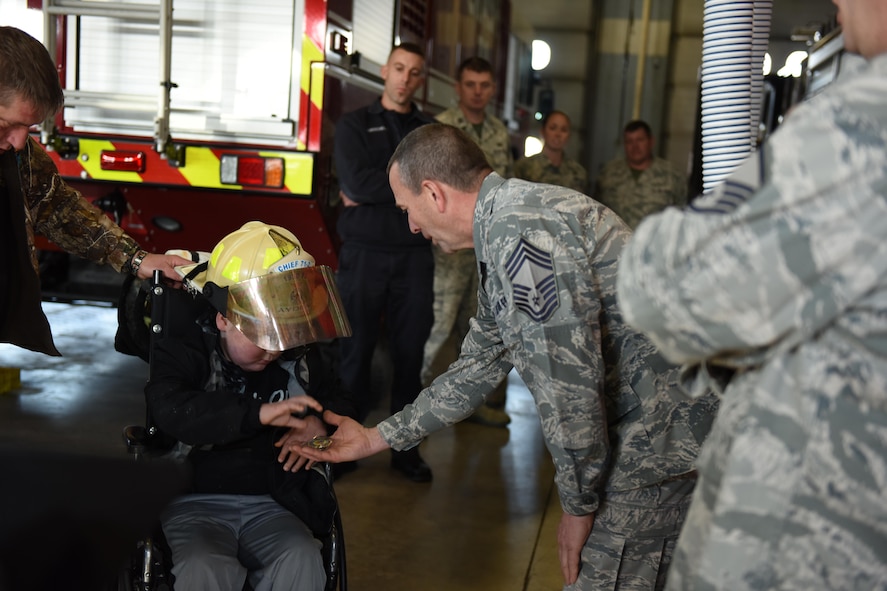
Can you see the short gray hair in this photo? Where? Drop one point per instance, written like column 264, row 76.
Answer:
column 440, row 153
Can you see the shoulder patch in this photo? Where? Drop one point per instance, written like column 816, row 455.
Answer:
column 531, row 272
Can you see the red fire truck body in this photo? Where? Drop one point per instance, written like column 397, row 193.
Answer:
column 184, row 119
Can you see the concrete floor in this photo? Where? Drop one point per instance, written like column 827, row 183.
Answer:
column 487, row 522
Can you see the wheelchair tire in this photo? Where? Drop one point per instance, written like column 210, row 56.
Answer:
column 130, row 576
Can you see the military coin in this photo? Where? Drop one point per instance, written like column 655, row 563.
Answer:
column 321, row 442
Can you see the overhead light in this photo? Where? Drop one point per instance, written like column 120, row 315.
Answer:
column 541, row 55
column 532, row 146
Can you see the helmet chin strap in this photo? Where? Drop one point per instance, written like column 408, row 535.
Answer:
column 217, row 296
column 197, row 270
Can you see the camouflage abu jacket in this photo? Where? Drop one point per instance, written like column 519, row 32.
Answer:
column 539, row 169
column 60, row 213
column 610, row 411
column 781, row 275
column 632, row 199
column 494, row 139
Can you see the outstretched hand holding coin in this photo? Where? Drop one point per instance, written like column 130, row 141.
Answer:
column 351, row 441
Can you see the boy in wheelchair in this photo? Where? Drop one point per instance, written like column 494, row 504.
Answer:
column 233, row 384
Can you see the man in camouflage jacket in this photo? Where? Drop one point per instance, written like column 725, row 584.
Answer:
column 641, row 183
column 780, row 275
column 476, row 87
column 33, row 198
column 623, row 440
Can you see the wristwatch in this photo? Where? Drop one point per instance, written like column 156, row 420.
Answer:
column 136, row 261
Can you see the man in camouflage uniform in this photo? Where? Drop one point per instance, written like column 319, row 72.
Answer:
column 640, row 183
column 622, row 439
column 780, row 275
column 33, row 198
column 455, row 274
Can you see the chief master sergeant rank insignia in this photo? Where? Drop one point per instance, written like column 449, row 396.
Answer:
column 531, row 272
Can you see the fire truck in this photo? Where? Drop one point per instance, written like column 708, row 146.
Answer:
column 183, row 119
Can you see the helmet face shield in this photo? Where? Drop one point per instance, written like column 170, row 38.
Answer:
column 280, row 311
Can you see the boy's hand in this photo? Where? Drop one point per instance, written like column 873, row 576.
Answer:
column 280, row 414
column 291, row 444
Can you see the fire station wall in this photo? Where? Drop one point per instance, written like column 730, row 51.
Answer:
column 682, row 88
column 566, row 76
column 595, row 47
column 625, row 87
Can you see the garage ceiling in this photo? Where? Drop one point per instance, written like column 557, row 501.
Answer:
column 575, row 15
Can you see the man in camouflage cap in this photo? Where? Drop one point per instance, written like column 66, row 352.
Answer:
column 641, row 183
column 622, row 439
column 780, row 275
column 34, row 199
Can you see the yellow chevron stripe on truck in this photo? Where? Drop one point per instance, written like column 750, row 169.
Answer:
column 202, row 167
column 311, row 53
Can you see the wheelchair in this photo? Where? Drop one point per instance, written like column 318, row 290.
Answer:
column 148, row 312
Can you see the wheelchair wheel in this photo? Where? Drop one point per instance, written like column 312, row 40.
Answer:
column 148, row 570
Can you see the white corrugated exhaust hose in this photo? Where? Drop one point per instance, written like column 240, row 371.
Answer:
column 760, row 44
column 730, row 57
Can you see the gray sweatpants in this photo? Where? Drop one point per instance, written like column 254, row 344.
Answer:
column 633, row 538
column 219, row 540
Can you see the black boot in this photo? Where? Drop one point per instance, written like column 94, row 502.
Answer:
column 411, row 464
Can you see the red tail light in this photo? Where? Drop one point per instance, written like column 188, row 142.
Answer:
column 252, row 171
column 123, row 160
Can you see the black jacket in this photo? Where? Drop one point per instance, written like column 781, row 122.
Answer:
column 34, row 199
column 203, row 400
column 365, row 140
column 22, row 321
